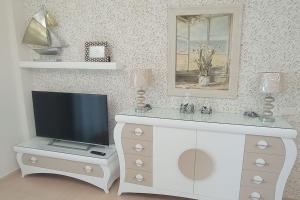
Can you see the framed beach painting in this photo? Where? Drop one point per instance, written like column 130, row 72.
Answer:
column 204, row 51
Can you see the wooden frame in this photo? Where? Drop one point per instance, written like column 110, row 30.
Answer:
column 233, row 53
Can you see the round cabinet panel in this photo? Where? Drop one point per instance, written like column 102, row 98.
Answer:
column 204, row 165
column 195, row 164
column 186, row 163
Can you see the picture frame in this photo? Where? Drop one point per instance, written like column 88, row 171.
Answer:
column 96, row 52
column 204, row 51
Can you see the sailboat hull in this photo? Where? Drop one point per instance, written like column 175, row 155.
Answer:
column 49, row 51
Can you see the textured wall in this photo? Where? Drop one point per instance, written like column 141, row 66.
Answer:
column 137, row 31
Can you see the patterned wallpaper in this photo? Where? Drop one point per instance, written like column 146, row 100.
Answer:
column 137, row 32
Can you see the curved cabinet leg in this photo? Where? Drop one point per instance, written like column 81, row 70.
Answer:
column 290, row 158
column 118, row 143
column 119, row 193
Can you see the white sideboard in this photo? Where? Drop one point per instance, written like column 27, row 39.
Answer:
column 209, row 157
column 37, row 156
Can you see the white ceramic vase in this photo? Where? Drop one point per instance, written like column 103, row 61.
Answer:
column 204, row 80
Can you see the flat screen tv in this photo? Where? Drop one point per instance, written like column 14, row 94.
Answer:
column 71, row 116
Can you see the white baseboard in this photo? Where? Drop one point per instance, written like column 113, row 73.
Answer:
column 10, row 172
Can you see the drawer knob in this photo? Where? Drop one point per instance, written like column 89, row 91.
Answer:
column 88, row 169
column 139, row 178
column 262, row 144
column 33, row 160
column 138, row 147
column 255, row 196
column 139, row 163
column 260, row 162
column 257, row 180
column 138, row 132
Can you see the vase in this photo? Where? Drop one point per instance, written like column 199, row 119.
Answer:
column 204, row 80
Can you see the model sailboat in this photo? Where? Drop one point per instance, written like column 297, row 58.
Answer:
column 40, row 37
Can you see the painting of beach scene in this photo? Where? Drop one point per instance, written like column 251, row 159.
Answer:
column 202, row 51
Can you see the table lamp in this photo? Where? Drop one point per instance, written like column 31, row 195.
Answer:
column 270, row 84
column 142, row 80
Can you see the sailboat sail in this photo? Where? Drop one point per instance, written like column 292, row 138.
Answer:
column 55, row 41
column 50, row 21
column 40, row 17
column 36, row 34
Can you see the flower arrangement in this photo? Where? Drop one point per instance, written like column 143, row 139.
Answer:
column 204, row 60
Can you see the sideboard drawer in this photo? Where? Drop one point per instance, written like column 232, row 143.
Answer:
column 62, row 165
column 250, row 193
column 265, row 145
column 138, row 163
column 138, row 177
column 259, row 179
column 263, row 162
column 137, row 147
column 138, row 132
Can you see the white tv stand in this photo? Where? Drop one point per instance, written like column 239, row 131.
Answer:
column 37, row 156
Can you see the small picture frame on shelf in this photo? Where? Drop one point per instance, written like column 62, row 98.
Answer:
column 96, row 52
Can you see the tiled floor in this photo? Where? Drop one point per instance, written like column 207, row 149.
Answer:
column 52, row 187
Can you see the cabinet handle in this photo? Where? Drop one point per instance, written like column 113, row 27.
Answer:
column 138, row 132
column 139, row 178
column 260, row 162
column 138, row 147
column 139, row 163
column 257, row 180
column 33, row 160
column 262, row 144
column 255, row 196
column 88, row 169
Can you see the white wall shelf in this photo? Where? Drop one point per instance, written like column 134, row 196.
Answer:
column 69, row 65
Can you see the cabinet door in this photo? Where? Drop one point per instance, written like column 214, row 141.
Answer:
column 218, row 164
column 169, row 145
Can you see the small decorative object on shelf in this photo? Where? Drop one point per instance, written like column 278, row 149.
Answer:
column 148, row 107
column 206, row 110
column 186, row 106
column 270, row 84
column 142, row 80
column 251, row 114
column 97, row 52
column 41, row 38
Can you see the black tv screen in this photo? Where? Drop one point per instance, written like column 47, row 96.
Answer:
column 71, row 116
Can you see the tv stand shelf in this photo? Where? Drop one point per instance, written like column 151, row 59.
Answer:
column 37, row 156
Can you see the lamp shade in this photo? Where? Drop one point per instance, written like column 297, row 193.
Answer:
column 142, row 78
column 270, row 82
